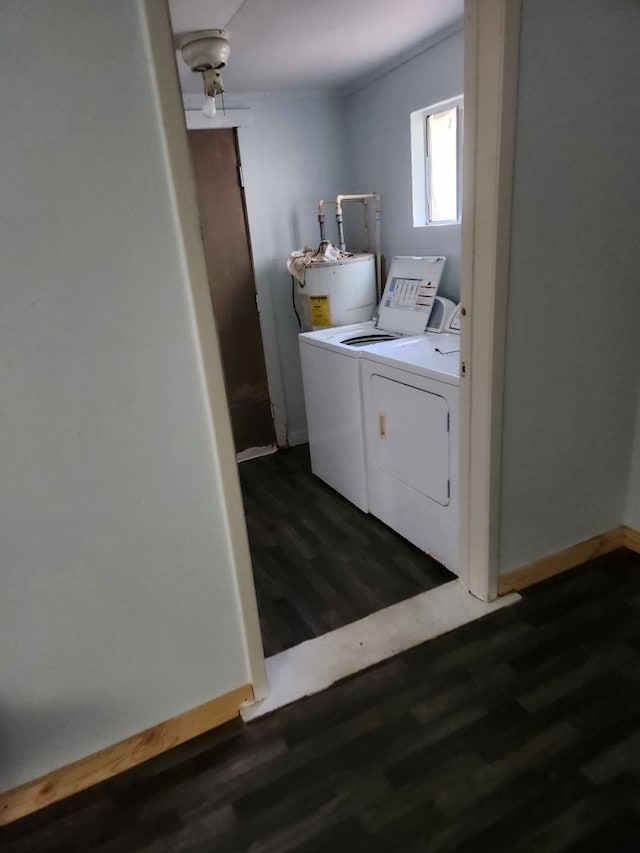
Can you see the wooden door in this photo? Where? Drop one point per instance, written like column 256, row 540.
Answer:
column 232, row 284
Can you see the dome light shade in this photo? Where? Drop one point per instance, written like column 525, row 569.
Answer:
column 206, row 52
column 206, row 49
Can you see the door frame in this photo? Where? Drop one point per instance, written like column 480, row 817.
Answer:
column 240, row 120
column 231, row 127
column 181, row 184
column 491, row 64
column 491, row 46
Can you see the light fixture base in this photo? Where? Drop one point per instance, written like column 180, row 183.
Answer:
column 205, row 49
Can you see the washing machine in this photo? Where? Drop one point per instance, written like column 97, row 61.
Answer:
column 410, row 399
column 330, row 361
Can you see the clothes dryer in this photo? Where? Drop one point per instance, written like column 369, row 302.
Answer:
column 410, row 394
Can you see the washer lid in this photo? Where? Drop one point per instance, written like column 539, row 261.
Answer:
column 408, row 295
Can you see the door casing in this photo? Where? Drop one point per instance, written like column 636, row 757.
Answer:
column 491, row 63
column 227, row 245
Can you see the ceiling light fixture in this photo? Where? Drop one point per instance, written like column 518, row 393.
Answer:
column 206, row 52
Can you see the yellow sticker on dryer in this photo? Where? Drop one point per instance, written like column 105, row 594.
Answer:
column 320, row 310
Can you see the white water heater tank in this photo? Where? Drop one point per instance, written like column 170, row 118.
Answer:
column 337, row 293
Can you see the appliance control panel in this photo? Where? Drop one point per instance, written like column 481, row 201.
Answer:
column 409, row 294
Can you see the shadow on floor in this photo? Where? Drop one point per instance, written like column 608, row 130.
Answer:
column 319, row 562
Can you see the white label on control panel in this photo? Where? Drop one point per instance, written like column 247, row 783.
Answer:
column 410, row 294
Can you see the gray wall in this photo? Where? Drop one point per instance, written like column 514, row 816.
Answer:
column 119, row 606
column 632, row 506
column 378, row 137
column 292, row 156
column 573, row 348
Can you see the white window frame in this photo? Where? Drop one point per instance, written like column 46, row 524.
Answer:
column 420, row 162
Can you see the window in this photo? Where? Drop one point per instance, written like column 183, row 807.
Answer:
column 436, row 161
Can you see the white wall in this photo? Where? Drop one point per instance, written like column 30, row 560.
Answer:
column 380, row 155
column 292, row 156
column 573, row 349
column 119, row 606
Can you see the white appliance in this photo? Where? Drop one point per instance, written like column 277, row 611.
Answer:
column 337, row 293
column 331, row 373
column 410, row 394
column 442, row 314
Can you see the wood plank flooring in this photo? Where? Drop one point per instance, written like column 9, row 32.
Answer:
column 319, row 562
column 518, row 732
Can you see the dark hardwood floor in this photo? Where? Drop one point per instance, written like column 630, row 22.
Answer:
column 319, row 562
column 517, row 732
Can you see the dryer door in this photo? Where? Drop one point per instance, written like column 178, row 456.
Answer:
column 411, row 442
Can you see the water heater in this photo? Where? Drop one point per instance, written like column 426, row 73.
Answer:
column 337, row 293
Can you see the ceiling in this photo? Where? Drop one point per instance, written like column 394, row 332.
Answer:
column 304, row 45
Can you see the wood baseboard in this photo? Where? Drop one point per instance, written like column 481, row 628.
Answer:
column 99, row 766
column 630, row 538
column 554, row 564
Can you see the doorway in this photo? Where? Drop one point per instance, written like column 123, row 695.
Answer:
column 232, row 286
column 491, row 41
column 319, row 562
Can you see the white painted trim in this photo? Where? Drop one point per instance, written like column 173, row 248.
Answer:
column 490, row 88
column 156, row 22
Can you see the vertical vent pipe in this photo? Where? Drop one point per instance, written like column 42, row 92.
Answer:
column 364, row 198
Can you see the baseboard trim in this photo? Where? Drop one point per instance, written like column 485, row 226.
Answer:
column 99, row 766
column 569, row 558
column 630, row 538
column 297, row 436
column 256, row 452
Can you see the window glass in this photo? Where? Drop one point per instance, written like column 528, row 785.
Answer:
column 442, row 160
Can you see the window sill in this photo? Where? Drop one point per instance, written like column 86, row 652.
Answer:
column 452, row 222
